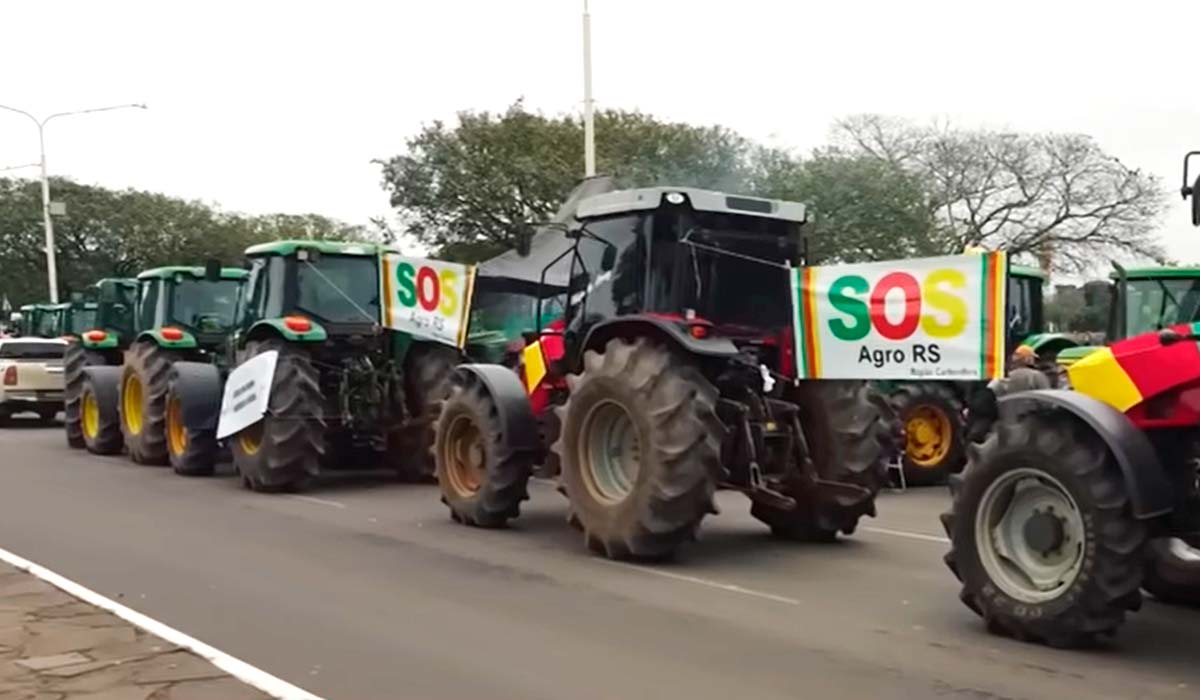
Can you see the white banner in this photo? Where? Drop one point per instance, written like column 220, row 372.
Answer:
column 247, row 394
column 924, row 318
column 427, row 298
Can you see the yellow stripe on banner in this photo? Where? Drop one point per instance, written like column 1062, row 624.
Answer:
column 465, row 320
column 385, row 269
column 1000, row 329
column 535, row 366
column 1100, row 376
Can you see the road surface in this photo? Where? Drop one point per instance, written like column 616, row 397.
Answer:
column 364, row 589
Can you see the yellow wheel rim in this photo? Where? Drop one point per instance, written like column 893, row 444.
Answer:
column 91, row 415
column 250, row 440
column 462, row 456
column 928, row 436
column 176, row 431
column 131, row 403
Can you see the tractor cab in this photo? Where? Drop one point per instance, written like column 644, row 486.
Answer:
column 304, row 288
column 709, row 264
column 75, row 317
column 49, row 320
column 116, row 299
column 175, row 302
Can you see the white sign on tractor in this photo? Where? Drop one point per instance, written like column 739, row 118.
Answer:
column 247, row 394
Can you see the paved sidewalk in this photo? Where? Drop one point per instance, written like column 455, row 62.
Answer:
column 56, row 647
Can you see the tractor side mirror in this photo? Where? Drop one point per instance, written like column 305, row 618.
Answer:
column 1191, row 190
column 609, row 259
column 1195, row 202
column 212, row 270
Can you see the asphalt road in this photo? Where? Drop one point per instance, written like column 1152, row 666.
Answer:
column 364, row 589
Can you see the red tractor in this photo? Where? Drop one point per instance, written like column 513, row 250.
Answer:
column 669, row 373
column 1079, row 499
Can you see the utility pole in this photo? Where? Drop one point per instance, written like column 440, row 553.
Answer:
column 51, row 260
column 589, row 107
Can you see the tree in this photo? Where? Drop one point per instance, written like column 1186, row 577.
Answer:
column 109, row 233
column 1054, row 196
column 472, row 190
column 861, row 208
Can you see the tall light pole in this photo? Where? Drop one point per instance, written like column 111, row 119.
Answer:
column 589, row 107
column 51, row 261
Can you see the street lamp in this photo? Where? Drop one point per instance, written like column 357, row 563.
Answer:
column 51, row 264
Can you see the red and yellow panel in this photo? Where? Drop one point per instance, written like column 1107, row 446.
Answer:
column 1130, row 371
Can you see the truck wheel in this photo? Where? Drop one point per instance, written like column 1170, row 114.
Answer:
column 640, row 450
column 191, row 451
column 99, row 418
column 933, row 428
column 76, row 358
column 482, row 480
column 1173, row 571
column 851, row 432
column 1042, row 535
column 144, row 402
column 284, row 449
column 427, row 373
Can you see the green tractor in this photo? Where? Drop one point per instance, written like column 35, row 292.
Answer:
column 74, row 317
column 932, row 412
column 1145, row 299
column 100, row 339
column 340, row 390
column 181, row 313
column 39, row 320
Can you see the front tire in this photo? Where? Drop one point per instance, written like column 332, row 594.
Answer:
column 427, row 372
column 1173, row 571
column 934, row 444
column 76, row 358
column 482, row 479
column 1042, row 535
column 192, row 451
column 283, row 451
column 99, row 420
column 640, row 450
column 144, row 402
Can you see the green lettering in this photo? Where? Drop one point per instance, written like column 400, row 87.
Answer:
column 406, row 289
column 843, row 296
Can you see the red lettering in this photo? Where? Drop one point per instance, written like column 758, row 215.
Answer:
column 907, row 284
column 427, row 275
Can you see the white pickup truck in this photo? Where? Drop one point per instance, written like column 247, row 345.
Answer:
column 31, row 376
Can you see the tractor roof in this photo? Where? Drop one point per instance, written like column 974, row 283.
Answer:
column 33, row 307
column 325, row 247
column 163, row 273
column 701, row 200
column 1147, row 273
column 119, row 281
column 1023, row 271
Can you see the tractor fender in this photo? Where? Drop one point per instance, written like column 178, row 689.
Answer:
column 663, row 330
column 106, row 382
column 276, row 326
column 111, row 340
column 1146, row 481
column 199, row 388
column 505, row 388
column 187, row 342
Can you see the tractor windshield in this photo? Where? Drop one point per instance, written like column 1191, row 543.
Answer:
column 735, row 274
column 82, row 320
column 204, row 304
column 1153, row 304
column 1024, row 306
column 47, row 323
column 340, row 288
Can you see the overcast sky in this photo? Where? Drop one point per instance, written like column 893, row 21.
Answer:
column 265, row 106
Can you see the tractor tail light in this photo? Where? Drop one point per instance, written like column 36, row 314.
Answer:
column 299, row 324
column 95, row 336
column 10, row 376
column 698, row 331
column 170, row 333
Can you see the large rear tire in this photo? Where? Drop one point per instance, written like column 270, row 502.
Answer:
column 932, row 415
column 144, row 402
column 640, row 450
column 482, row 479
column 283, row 451
column 1042, row 535
column 77, row 357
column 851, row 436
column 427, row 372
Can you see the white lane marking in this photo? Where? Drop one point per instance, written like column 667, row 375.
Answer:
column 909, row 535
column 318, row 501
column 259, row 679
column 729, row 587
